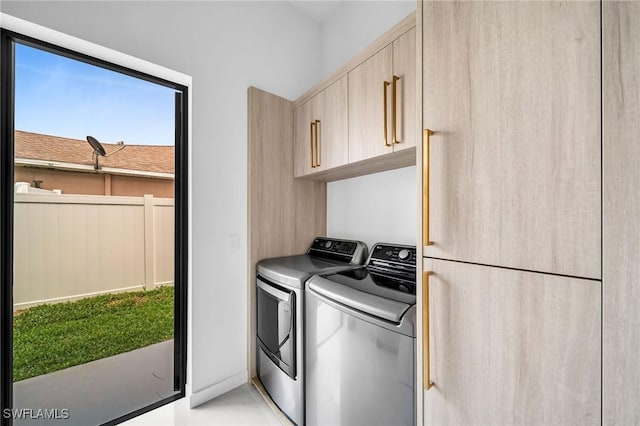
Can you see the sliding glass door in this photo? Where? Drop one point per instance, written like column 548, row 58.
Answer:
column 93, row 230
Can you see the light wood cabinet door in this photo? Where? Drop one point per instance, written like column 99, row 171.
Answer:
column 512, row 93
column 368, row 112
column 333, row 133
column 509, row 347
column 303, row 116
column 321, row 131
column 621, row 210
column 404, row 67
column 377, row 125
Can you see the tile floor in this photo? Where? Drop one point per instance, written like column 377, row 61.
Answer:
column 93, row 393
column 147, row 371
column 241, row 406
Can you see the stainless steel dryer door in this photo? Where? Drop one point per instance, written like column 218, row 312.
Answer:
column 276, row 319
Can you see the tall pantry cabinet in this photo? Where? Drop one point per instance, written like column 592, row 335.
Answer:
column 621, row 213
column 512, row 220
column 511, row 91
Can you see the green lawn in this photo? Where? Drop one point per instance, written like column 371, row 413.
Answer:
column 48, row 338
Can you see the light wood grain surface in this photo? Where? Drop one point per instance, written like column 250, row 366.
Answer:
column 419, row 204
column 404, row 66
column 302, row 118
column 512, row 348
column 512, row 92
column 333, row 130
column 284, row 214
column 367, row 107
column 394, row 160
column 621, row 213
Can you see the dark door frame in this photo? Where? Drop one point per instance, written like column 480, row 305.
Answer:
column 7, row 98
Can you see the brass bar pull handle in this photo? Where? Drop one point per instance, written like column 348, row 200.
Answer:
column 317, row 144
column 384, row 109
column 394, row 111
column 428, row 384
column 426, row 136
column 311, row 133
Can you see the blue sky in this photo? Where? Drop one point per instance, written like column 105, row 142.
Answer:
column 63, row 97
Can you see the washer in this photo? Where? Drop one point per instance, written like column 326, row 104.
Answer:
column 360, row 342
column 280, row 316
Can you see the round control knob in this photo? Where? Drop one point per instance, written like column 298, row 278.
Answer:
column 404, row 254
column 328, row 244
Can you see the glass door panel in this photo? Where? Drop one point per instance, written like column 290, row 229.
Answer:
column 98, row 300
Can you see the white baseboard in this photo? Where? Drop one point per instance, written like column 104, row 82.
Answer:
column 213, row 391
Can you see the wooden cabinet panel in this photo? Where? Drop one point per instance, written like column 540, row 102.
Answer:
column 621, row 210
column 404, row 66
column 333, row 133
column 370, row 115
column 367, row 107
column 328, row 145
column 302, row 118
column 512, row 347
column 512, row 92
column 284, row 214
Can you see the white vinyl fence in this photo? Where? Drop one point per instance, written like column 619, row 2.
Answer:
column 67, row 247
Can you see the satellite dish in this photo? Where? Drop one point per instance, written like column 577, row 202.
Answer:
column 98, row 150
column 97, row 146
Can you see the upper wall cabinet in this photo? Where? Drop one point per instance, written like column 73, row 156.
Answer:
column 362, row 119
column 404, row 68
column 511, row 91
column 382, row 101
column 320, row 127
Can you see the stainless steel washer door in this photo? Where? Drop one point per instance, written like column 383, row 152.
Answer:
column 276, row 320
column 358, row 370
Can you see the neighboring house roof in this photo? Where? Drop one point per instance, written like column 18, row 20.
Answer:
column 144, row 158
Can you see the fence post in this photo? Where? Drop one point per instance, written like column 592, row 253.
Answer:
column 149, row 268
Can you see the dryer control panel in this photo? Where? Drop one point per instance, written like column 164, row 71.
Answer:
column 354, row 252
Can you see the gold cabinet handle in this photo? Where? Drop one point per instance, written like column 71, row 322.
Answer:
column 317, row 144
column 311, row 133
column 426, row 135
column 384, row 109
column 394, row 112
column 428, row 384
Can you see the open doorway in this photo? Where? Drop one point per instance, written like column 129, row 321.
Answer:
column 93, row 177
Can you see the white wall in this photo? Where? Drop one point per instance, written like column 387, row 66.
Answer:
column 375, row 208
column 356, row 24
column 382, row 206
column 225, row 47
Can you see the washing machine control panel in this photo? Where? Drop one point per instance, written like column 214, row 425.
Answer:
column 393, row 266
column 405, row 255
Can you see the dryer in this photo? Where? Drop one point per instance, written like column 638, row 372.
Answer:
column 280, row 316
